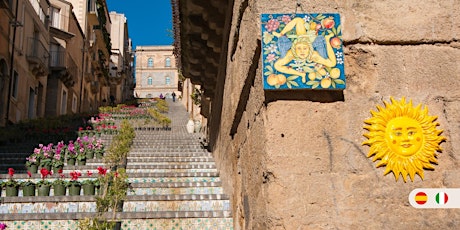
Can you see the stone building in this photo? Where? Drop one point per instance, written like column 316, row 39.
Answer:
column 156, row 72
column 7, row 16
column 66, row 60
column 121, row 65
column 294, row 159
column 24, row 23
column 60, row 64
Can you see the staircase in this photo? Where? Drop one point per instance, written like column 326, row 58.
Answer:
column 174, row 180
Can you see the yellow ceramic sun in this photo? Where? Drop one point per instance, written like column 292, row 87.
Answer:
column 404, row 138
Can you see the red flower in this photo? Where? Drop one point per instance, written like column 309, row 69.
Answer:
column 11, row 172
column 75, row 175
column 101, row 170
column 44, row 172
column 29, row 174
column 80, row 129
column 60, row 171
column 89, row 173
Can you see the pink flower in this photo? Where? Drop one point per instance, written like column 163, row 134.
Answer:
column 3, row 226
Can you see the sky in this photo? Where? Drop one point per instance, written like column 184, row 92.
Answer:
column 149, row 21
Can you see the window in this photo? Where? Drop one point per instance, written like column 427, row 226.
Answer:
column 54, row 17
column 64, row 102
column 150, row 62
column 167, row 80
column 74, row 103
column 15, row 84
column 168, row 62
column 149, row 81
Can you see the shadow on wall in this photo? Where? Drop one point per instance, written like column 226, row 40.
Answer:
column 305, row 95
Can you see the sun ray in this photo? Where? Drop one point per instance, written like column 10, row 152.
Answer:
column 403, row 138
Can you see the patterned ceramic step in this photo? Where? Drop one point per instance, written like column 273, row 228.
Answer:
column 176, row 205
column 172, row 174
column 133, row 154
column 169, row 191
column 173, row 179
column 199, row 165
column 174, row 165
column 154, row 169
column 192, row 223
column 47, row 204
column 159, row 150
column 178, row 160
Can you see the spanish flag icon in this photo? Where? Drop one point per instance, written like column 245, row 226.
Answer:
column 421, row 198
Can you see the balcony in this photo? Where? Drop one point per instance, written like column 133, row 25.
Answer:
column 37, row 57
column 63, row 67
column 5, row 4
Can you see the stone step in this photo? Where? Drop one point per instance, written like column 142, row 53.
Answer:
column 168, row 191
column 172, row 179
column 173, row 165
column 69, row 204
column 178, row 160
column 141, row 169
column 172, row 174
column 188, row 205
column 169, row 154
column 158, row 150
column 147, row 220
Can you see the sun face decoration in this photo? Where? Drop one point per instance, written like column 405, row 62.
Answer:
column 404, row 138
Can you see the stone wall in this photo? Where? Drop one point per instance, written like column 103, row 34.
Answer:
column 296, row 161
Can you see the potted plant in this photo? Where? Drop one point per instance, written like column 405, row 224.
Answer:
column 46, row 154
column 11, row 185
column 74, row 183
column 71, row 153
column 60, row 185
column 32, row 163
column 44, row 185
column 28, row 186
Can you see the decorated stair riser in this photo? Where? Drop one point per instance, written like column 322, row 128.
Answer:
column 153, row 170
column 167, row 191
column 173, row 179
column 47, row 207
column 156, row 206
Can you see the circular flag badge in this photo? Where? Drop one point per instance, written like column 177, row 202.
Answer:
column 421, row 198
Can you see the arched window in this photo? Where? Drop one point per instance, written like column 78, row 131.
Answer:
column 167, row 80
column 149, row 81
column 168, row 62
column 150, row 62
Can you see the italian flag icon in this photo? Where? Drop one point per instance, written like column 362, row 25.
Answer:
column 441, row 198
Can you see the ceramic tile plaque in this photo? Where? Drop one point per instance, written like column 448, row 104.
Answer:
column 302, row 51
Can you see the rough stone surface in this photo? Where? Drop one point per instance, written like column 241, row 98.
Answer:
column 300, row 164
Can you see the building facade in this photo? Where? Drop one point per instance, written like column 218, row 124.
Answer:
column 121, row 74
column 156, row 72
column 66, row 60
column 27, row 68
column 56, row 58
